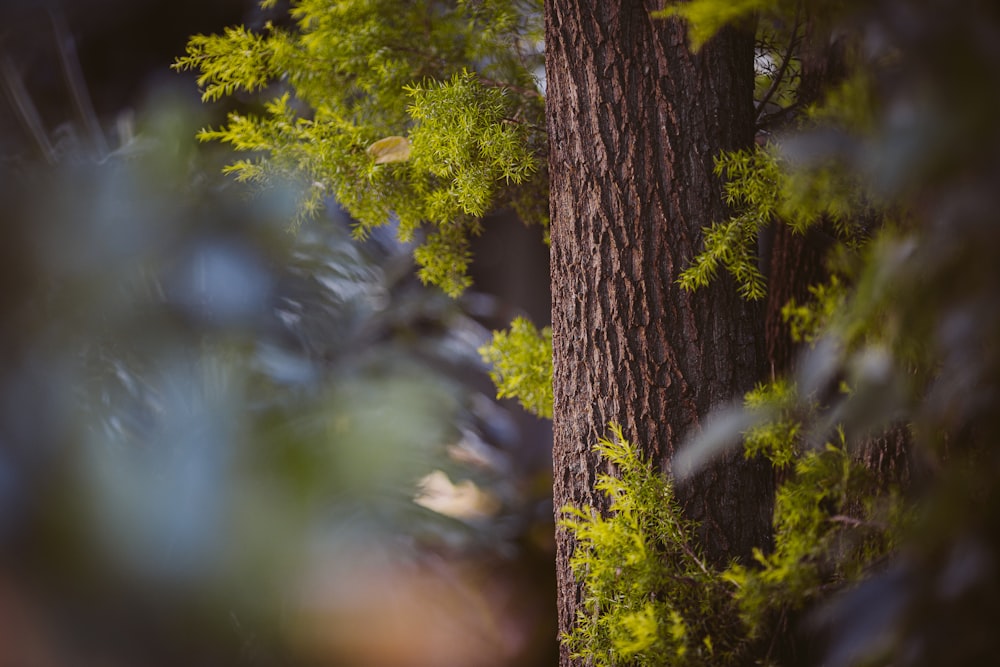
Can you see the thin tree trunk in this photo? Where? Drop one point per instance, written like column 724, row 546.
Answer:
column 634, row 121
column 795, row 262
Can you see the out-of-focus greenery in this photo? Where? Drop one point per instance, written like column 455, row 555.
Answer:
column 898, row 162
column 456, row 87
column 219, row 439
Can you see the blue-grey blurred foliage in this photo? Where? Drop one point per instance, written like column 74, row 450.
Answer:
column 213, row 433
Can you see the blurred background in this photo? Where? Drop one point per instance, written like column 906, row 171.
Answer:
column 222, row 442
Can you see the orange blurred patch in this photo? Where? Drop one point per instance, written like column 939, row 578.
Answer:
column 371, row 612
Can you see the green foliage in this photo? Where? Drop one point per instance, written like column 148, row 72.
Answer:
column 807, row 321
column 764, row 187
column 776, row 438
column 227, row 399
column 788, row 180
column 817, row 192
column 521, row 362
column 706, row 17
column 237, row 60
column 819, row 543
column 753, row 183
column 849, row 106
column 350, row 74
column 465, row 137
column 649, row 597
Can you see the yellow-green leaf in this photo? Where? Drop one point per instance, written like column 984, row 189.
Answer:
column 390, row 149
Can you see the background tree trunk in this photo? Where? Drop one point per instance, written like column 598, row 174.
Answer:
column 796, row 261
column 634, row 121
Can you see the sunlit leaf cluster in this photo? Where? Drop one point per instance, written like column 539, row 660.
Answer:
column 830, row 525
column 457, row 80
column 778, row 436
column 521, row 365
column 649, row 597
column 753, row 182
column 767, row 185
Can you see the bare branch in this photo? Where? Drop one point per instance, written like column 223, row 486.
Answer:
column 792, row 43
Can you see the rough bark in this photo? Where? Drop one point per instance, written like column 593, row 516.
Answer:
column 634, row 121
column 795, row 262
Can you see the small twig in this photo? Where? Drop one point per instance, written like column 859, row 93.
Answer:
column 782, row 620
column 854, row 522
column 76, row 83
column 784, row 64
column 518, row 121
column 520, row 90
column 771, row 118
column 25, row 108
column 690, row 553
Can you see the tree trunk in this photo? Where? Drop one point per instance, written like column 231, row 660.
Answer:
column 634, row 121
column 796, row 261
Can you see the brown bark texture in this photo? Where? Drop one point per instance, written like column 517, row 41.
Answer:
column 795, row 261
column 634, row 121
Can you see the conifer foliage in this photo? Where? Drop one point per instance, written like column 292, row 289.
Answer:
column 455, row 81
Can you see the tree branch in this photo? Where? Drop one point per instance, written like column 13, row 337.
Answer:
column 792, row 43
column 854, row 522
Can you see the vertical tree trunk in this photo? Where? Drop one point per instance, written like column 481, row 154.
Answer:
column 797, row 261
column 634, row 121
